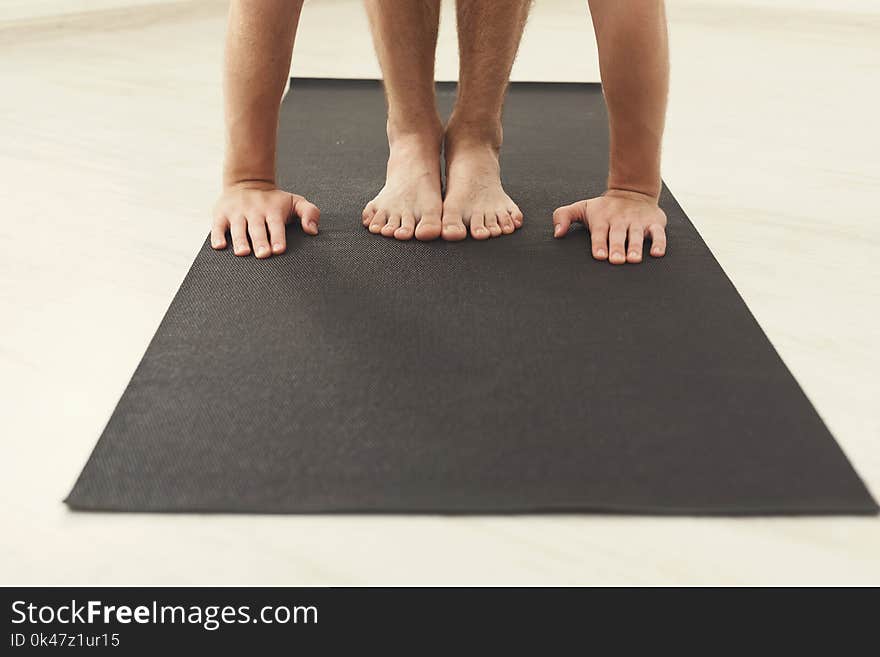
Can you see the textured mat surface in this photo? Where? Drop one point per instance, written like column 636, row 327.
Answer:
column 357, row 373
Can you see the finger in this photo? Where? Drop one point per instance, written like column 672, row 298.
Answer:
column 565, row 216
column 238, row 229
column 407, row 226
column 635, row 238
column 308, row 213
column 658, row 240
column 599, row 240
column 617, row 244
column 491, row 220
column 379, row 219
column 453, row 225
column 218, row 232
column 517, row 215
column 259, row 238
column 392, row 225
column 478, row 227
column 277, row 231
column 506, row 223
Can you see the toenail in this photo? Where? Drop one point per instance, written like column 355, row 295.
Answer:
column 600, row 252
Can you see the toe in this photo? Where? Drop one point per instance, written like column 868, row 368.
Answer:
column 517, row 216
column 491, row 220
column 429, row 225
column 453, row 226
column 392, row 225
column 617, row 245
column 635, row 239
column 506, row 223
column 478, row 227
column 368, row 213
column 407, row 225
column 379, row 219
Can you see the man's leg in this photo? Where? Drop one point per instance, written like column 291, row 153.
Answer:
column 489, row 32
column 405, row 36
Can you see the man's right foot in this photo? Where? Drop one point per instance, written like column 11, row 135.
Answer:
column 410, row 203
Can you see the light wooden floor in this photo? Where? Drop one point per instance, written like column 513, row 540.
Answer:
column 110, row 147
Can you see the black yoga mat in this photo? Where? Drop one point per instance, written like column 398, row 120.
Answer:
column 359, row 373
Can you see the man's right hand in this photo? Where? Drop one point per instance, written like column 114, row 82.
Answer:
column 261, row 210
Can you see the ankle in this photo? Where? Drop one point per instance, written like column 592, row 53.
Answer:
column 483, row 131
column 424, row 130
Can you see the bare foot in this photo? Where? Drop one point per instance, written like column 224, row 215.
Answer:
column 474, row 195
column 410, row 202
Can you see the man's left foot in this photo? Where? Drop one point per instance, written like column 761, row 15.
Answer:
column 474, row 195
